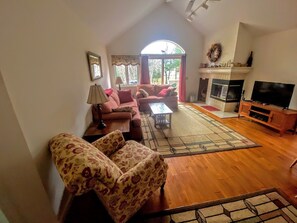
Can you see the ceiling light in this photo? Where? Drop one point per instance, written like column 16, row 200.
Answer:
column 190, row 18
column 190, row 5
column 204, row 5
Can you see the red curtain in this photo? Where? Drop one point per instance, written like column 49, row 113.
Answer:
column 182, row 80
column 144, row 75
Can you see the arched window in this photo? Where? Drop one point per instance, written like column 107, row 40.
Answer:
column 164, row 58
column 163, row 47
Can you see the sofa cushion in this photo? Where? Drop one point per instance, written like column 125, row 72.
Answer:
column 160, row 87
column 147, row 87
column 109, row 105
column 129, row 104
column 115, row 97
column 81, row 165
column 117, row 115
column 130, row 155
column 150, row 99
column 164, row 92
column 125, row 109
column 125, row 96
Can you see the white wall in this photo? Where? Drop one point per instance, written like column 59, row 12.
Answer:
column 44, row 67
column 23, row 198
column 163, row 23
column 274, row 60
column 243, row 45
column 227, row 36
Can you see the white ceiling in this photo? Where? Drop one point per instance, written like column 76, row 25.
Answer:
column 110, row 18
column 262, row 16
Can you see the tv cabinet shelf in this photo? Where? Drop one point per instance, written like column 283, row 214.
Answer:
column 270, row 115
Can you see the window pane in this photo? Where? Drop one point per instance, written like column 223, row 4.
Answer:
column 133, row 74
column 163, row 47
column 171, row 71
column 120, row 72
column 155, row 69
column 129, row 74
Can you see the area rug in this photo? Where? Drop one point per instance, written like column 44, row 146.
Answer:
column 191, row 132
column 210, row 108
column 269, row 206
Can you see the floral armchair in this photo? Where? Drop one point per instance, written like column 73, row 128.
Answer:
column 124, row 174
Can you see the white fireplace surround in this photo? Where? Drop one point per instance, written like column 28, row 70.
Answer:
column 223, row 73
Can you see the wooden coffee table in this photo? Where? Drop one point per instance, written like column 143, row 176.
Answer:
column 161, row 114
column 92, row 133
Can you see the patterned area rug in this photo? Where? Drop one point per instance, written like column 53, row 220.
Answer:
column 267, row 206
column 191, row 132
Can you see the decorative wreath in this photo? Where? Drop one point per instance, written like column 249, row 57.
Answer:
column 214, row 52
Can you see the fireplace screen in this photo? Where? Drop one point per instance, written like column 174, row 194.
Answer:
column 226, row 90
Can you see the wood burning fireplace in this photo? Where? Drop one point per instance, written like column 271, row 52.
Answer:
column 225, row 85
column 226, row 90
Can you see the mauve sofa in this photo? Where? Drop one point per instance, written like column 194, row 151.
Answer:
column 154, row 97
column 115, row 103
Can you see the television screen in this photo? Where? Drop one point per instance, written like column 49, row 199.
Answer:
column 279, row 94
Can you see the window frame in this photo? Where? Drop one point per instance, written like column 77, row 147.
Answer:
column 163, row 57
column 127, row 73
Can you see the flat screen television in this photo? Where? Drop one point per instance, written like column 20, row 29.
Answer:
column 279, row 94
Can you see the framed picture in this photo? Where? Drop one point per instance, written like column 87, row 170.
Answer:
column 95, row 67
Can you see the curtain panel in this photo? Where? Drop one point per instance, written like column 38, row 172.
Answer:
column 145, row 74
column 126, row 60
column 182, row 80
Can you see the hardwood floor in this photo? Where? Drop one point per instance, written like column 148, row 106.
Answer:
column 207, row 177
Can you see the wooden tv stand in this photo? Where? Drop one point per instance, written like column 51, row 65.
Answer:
column 270, row 115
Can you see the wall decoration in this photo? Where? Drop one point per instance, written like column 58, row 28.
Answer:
column 214, row 52
column 94, row 65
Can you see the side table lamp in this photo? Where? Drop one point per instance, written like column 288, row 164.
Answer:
column 97, row 97
column 119, row 81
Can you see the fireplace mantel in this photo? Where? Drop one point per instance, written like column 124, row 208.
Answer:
column 225, row 70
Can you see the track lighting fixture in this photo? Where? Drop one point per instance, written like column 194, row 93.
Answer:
column 192, row 14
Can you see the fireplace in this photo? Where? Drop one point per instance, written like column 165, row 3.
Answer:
column 225, row 86
column 226, row 90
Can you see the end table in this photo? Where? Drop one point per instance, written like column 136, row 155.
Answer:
column 92, row 133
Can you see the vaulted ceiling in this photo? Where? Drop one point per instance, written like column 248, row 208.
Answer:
column 110, row 18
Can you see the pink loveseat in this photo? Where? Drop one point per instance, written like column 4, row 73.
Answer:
column 154, row 96
column 124, row 174
column 115, row 102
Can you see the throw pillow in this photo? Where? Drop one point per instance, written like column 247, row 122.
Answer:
column 125, row 109
column 164, row 92
column 108, row 91
column 125, row 96
column 172, row 91
column 144, row 93
column 139, row 95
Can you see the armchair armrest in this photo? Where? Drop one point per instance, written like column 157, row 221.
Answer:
column 110, row 143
